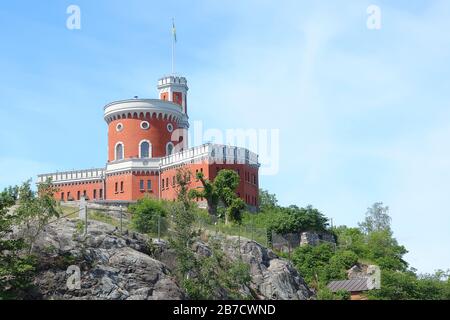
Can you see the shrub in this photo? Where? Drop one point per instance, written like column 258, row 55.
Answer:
column 145, row 216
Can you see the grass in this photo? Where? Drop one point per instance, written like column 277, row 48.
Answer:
column 246, row 231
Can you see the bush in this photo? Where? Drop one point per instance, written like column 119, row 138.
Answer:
column 145, row 216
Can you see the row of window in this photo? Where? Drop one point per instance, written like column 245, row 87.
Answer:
column 165, row 182
column 119, row 186
column 250, row 177
column 145, row 150
column 142, row 185
column 69, row 196
column 250, row 200
column 145, row 125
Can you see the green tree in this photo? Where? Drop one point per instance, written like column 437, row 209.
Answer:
column 377, row 219
column 35, row 210
column 16, row 268
column 227, row 182
column 267, row 201
column 208, row 192
column 148, row 215
column 222, row 189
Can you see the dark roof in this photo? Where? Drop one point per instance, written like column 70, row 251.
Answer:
column 349, row 285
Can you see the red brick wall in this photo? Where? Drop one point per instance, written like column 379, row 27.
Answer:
column 178, row 98
column 72, row 189
column 139, row 193
column 129, row 187
column 248, row 190
column 132, row 134
column 124, row 193
column 170, row 192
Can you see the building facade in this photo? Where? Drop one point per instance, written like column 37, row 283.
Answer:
column 147, row 144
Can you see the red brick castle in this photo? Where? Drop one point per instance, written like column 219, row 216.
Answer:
column 147, row 143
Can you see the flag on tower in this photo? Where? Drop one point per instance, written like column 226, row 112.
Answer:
column 174, row 31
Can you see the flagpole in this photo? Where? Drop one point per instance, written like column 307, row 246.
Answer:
column 173, row 56
column 173, row 46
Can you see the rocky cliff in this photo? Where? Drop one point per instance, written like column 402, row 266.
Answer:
column 121, row 267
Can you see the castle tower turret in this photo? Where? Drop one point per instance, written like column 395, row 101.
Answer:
column 174, row 89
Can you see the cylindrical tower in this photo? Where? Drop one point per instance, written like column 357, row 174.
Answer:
column 140, row 132
column 148, row 128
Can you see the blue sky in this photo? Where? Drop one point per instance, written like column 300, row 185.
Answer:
column 363, row 114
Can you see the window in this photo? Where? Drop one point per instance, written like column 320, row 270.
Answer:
column 121, row 186
column 167, row 182
column 145, row 125
column 149, row 184
column 119, row 151
column 144, row 149
column 169, row 148
column 101, row 193
column 68, row 196
column 141, row 185
column 170, row 127
column 119, row 127
column 95, row 194
column 62, row 196
column 173, row 181
column 163, row 184
column 117, row 187
column 78, row 195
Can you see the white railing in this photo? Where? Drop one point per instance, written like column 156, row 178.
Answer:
column 71, row 176
column 213, row 153
column 133, row 164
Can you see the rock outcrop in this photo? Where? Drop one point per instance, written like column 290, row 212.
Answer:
column 125, row 267
column 272, row 277
column 113, row 267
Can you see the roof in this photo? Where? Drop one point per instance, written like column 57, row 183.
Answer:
column 349, row 285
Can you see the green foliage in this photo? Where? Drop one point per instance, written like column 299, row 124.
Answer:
column 409, row 286
column 321, row 264
column 202, row 277
column 16, row 267
column 217, row 277
column 372, row 243
column 35, row 210
column 208, row 192
column 267, row 201
column 326, row 294
column 377, row 219
column 288, row 220
column 146, row 214
column 221, row 190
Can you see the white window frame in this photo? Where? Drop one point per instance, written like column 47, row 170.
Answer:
column 149, row 149
column 115, row 151
column 142, row 125
column 167, row 148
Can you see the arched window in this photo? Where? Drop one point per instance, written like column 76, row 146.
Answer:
column 145, row 149
column 169, row 148
column 119, row 151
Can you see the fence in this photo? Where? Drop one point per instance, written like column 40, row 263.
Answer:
column 248, row 231
column 161, row 227
column 287, row 242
